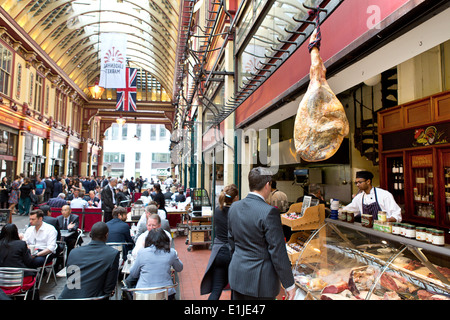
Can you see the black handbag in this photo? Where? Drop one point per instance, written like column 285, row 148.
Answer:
column 34, row 199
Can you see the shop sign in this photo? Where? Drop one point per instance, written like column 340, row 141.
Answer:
column 420, row 137
column 422, row 161
column 9, row 121
column 161, row 172
column 37, row 131
column 74, row 144
column 58, row 139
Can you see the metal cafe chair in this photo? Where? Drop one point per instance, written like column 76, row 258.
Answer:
column 80, row 235
column 14, row 282
column 141, row 294
column 119, row 247
column 49, row 264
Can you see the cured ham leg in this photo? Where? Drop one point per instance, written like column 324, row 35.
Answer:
column 321, row 123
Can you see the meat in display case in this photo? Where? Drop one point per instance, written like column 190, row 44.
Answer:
column 346, row 261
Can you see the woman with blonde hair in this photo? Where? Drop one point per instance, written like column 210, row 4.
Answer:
column 14, row 194
column 216, row 275
column 64, row 186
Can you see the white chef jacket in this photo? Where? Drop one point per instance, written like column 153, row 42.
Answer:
column 385, row 200
column 44, row 238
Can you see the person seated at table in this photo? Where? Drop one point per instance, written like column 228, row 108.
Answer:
column 180, row 197
column 13, row 251
column 168, row 195
column 78, row 202
column 42, row 236
column 149, row 210
column 147, row 192
column 99, row 196
column 121, row 199
column 93, row 269
column 119, row 230
column 153, row 222
column 161, row 213
column 51, row 220
column 92, row 200
column 152, row 267
column 126, row 192
column 54, row 222
column 57, row 202
column 70, row 223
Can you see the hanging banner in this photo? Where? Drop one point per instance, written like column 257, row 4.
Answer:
column 113, row 60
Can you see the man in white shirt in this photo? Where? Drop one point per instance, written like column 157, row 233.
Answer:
column 370, row 200
column 153, row 222
column 78, row 201
column 168, row 181
column 42, row 236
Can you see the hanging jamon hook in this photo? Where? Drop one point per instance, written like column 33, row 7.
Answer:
column 316, row 36
column 313, row 10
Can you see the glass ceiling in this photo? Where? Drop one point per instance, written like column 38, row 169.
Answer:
column 68, row 31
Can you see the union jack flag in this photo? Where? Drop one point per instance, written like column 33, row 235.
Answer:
column 126, row 97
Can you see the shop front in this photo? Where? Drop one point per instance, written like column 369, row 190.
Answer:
column 415, row 159
column 367, row 72
column 74, row 154
column 8, row 151
column 94, row 165
column 34, row 155
column 57, row 158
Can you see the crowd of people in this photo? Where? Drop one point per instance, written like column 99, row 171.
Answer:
column 249, row 250
column 22, row 193
column 42, row 241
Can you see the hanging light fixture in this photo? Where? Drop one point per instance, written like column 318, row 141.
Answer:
column 121, row 121
column 96, row 90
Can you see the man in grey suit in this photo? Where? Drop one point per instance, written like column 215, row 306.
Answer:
column 70, row 222
column 92, row 269
column 259, row 259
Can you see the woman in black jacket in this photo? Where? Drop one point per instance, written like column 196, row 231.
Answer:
column 25, row 191
column 4, row 190
column 159, row 197
column 13, row 251
column 216, row 275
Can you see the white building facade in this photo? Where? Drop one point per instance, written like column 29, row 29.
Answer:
column 134, row 150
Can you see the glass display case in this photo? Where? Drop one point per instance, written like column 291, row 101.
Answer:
column 199, row 200
column 346, row 261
